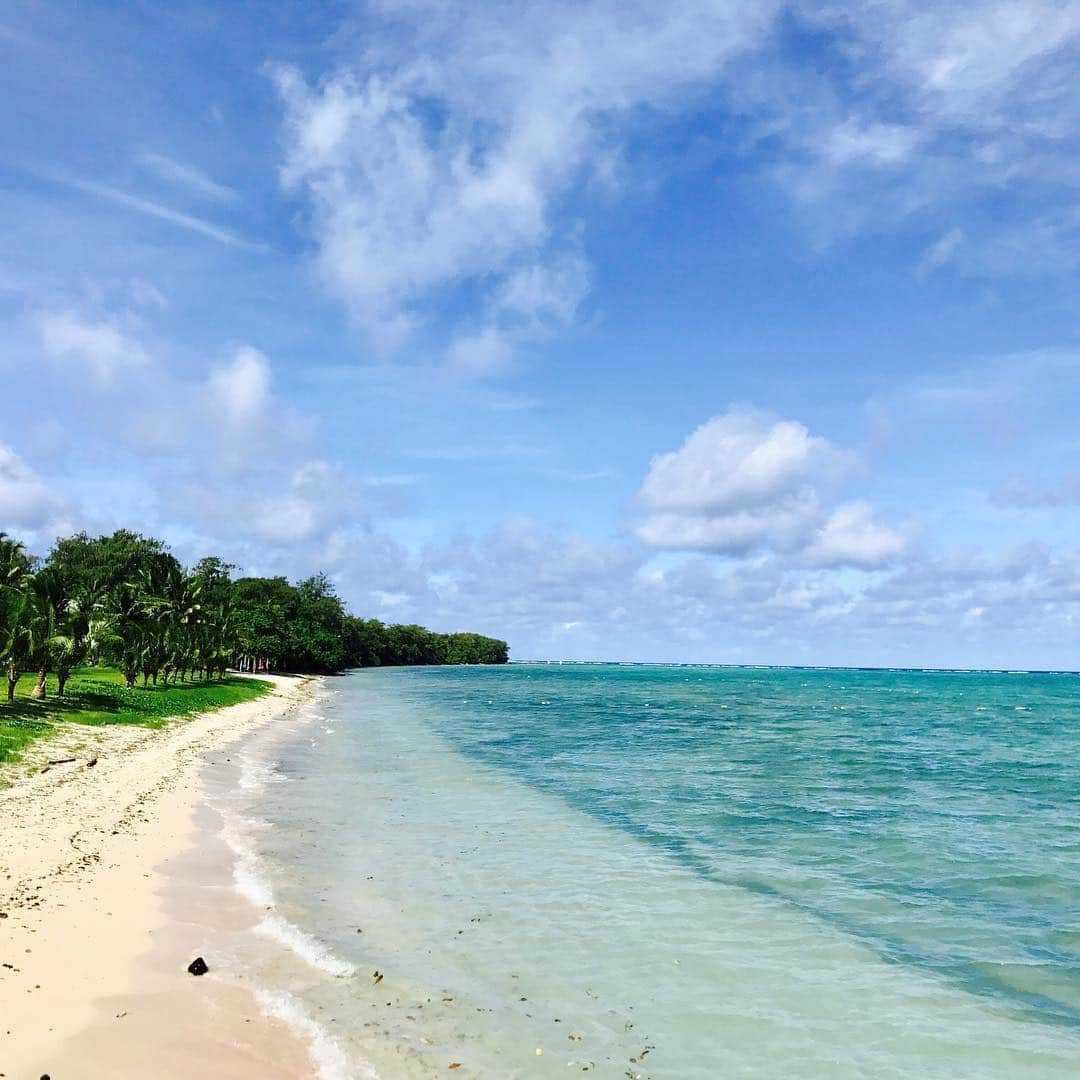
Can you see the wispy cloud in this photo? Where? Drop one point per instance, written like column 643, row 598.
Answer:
column 442, row 157
column 187, row 176
column 1017, row 493
column 162, row 213
column 439, row 160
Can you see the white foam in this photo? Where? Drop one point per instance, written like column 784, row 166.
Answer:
column 251, row 883
column 330, row 1060
column 304, row 945
column 248, row 876
column 255, row 774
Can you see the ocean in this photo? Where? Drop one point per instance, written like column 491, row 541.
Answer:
column 669, row 872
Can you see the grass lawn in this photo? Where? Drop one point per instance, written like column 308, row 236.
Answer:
column 98, row 696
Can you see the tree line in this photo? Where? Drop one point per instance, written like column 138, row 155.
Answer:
column 126, row 600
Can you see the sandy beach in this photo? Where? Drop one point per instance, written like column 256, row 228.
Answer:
column 104, row 902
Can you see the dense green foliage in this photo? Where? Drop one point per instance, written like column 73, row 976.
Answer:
column 97, row 695
column 304, row 627
column 126, row 600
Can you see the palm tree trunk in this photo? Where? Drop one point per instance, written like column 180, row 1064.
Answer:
column 39, row 688
column 61, row 681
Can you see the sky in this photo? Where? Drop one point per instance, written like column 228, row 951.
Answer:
column 708, row 332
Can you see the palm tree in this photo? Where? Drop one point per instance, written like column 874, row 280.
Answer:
column 176, row 616
column 75, row 625
column 44, row 597
column 15, row 566
column 125, row 638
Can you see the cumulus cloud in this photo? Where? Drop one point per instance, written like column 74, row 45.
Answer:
column 219, row 450
column 231, row 418
column 303, row 506
column 1025, row 590
column 741, row 460
column 27, row 502
column 559, row 595
column 744, row 481
column 100, row 349
column 851, row 537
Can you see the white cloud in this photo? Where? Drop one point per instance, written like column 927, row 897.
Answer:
column 739, row 460
column 870, row 144
column 928, row 107
column 940, row 253
column 27, row 502
column 102, row 349
column 971, row 64
column 304, row 506
column 440, row 160
column 437, row 165
column 238, row 406
column 231, row 417
column 215, row 448
column 186, row 176
column 1018, row 493
column 851, row 537
column 744, row 481
column 188, row 222
column 481, row 353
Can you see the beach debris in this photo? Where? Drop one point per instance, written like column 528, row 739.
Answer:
column 377, row 976
column 121, row 1015
column 91, row 763
column 197, row 966
column 454, row 1065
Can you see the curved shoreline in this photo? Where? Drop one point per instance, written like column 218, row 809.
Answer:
column 89, row 986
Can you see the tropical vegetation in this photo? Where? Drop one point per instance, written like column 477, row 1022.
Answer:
column 125, row 600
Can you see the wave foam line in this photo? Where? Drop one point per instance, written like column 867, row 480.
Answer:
column 255, row 773
column 304, row 945
column 248, row 877
column 329, row 1058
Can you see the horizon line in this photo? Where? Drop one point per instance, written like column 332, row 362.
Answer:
column 808, row 667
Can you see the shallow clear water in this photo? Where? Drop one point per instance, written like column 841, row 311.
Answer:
column 676, row 872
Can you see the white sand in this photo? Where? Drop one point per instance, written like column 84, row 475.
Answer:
column 87, row 925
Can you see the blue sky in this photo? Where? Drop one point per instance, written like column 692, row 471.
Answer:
column 717, row 332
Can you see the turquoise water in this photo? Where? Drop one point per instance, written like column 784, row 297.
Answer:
column 676, row 872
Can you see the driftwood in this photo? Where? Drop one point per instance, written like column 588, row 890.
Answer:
column 67, row 761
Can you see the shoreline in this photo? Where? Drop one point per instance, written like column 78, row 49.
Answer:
column 105, row 890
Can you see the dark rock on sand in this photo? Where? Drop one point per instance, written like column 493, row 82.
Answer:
column 198, row 966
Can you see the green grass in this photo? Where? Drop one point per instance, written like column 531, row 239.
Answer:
column 98, row 696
